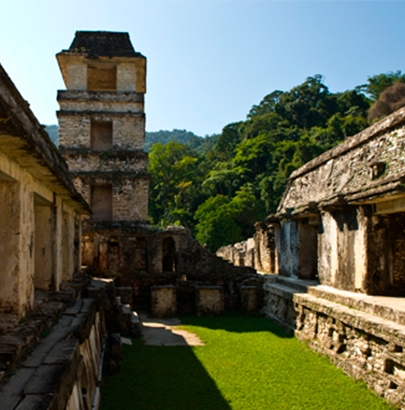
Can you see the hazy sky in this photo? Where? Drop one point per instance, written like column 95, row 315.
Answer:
column 208, row 61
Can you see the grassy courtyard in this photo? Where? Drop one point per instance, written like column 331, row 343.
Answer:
column 247, row 363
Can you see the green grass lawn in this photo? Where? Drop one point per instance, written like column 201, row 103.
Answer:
column 248, row 363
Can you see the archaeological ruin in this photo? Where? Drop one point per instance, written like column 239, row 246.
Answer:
column 79, row 256
column 335, row 255
column 101, row 136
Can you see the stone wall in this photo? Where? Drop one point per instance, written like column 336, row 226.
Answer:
column 363, row 335
column 63, row 369
column 365, row 166
column 136, row 256
column 259, row 252
column 37, row 197
column 128, row 130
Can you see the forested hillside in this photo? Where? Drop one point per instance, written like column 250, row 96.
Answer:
column 199, row 144
column 241, row 178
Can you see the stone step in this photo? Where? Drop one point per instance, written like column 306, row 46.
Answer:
column 385, row 307
column 280, row 290
column 388, row 308
column 369, row 323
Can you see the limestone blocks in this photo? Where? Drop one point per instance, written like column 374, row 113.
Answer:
column 209, row 300
column 164, row 301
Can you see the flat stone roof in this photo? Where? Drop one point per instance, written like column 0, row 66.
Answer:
column 102, row 44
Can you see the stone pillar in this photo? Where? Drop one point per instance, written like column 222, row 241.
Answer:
column 44, row 247
column 209, row 300
column 77, row 253
column 164, row 301
column 68, row 246
column 57, row 239
column 288, row 251
column 16, row 249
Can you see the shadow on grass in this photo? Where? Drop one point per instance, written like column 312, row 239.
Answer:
column 166, row 378
column 235, row 322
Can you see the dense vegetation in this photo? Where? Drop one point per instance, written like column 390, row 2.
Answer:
column 247, row 363
column 241, row 178
column 196, row 143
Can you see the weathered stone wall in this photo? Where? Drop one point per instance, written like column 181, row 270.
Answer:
column 135, row 256
column 35, row 188
column 130, row 71
column 363, row 166
column 74, row 131
column 363, row 335
column 87, row 162
column 259, row 252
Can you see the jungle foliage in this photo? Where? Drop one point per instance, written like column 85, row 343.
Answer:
column 238, row 178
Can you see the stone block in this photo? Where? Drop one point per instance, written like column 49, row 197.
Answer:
column 36, row 402
column 11, row 393
column 63, row 352
column 209, row 300
column 46, row 379
column 249, row 299
column 164, row 301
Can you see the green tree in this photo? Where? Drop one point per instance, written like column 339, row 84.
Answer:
column 376, row 84
column 175, row 177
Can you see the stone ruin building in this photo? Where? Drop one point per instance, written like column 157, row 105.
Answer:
column 336, row 252
column 101, row 135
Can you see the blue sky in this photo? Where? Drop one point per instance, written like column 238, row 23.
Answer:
column 208, row 61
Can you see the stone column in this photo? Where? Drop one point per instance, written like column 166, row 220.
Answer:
column 16, row 248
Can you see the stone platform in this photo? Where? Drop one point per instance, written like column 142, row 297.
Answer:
column 362, row 334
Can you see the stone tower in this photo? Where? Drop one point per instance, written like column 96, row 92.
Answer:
column 102, row 126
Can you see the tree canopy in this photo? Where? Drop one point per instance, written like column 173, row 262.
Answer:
column 220, row 191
